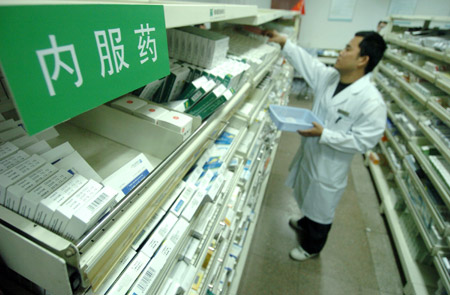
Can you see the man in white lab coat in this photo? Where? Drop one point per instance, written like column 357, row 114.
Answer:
column 354, row 117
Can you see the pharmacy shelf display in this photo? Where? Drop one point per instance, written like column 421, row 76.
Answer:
column 185, row 196
column 413, row 176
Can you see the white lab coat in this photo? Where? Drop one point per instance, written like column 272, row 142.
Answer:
column 354, row 121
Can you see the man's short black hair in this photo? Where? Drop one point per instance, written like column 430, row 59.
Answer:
column 373, row 46
column 382, row 22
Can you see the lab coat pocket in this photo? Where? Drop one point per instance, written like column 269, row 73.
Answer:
column 344, row 124
column 340, row 122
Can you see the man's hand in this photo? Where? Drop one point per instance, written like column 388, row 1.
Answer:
column 275, row 37
column 315, row 131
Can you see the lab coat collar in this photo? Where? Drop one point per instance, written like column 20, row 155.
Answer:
column 354, row 89
column 360, row 84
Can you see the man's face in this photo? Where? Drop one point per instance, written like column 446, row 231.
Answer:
column 349, row 58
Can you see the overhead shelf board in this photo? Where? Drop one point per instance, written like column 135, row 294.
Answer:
column 421, row 17
column 179, row 14
column 264, row 16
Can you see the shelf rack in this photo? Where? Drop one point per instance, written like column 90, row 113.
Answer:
column 93, row 256
column 418, row 276
column 421, row 279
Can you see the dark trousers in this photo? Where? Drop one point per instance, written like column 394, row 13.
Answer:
column 315, row 235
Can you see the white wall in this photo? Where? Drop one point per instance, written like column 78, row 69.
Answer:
column 317, row 31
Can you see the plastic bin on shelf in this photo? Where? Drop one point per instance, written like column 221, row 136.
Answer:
column 292, row 119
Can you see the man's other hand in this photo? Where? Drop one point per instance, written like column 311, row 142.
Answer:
column 313, row 132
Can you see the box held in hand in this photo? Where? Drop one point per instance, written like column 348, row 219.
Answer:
column 292, row 119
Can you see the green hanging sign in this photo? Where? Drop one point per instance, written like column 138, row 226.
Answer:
column 62, row 60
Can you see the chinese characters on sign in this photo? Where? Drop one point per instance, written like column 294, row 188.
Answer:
column 55, row 51
column 117, row 50
column 78, row 56
column 105, row 40
column 145, row 44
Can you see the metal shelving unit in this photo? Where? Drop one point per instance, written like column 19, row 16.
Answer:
column 420, row 279
column 94, row 256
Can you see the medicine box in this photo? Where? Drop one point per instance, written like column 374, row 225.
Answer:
column 193, row 87
column 175, row 235
column 57, row 153
column 39, row 148
column 7, row 149
column 174, row 83
column 195, row 175
column 76, row 164
column 116, row 271
column 199, row 93
column 151, row 112
column 91, row 212
column 148, row 92
column 13, row 160
column 176, row 105
column 167, row 287
column 128, row 103
column 31, row 200
column 146, row 280
column 206, row 110
column 128, row 176
column 158, row 236
column 190, row 250
column 12, row 134
column 15, row 192
column 18, row 172
column 214, row 189
column 179, row 273
column 177, row 122
column 292, row 119
column 24, row 141
column 149, row 227
column 193, row 205
column 65, row 211
column 211, row 101
column 173, row 196
column 184, row 198
column 203, row 182
column 203, row 220
column 47, row 206
column 129, row 276
column 8, row 124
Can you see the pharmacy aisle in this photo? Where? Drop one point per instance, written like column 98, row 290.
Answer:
column 358, row 257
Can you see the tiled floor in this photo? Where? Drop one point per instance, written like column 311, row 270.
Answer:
column 357, row 259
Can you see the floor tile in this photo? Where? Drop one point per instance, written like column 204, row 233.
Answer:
column 273, row 236
column 347, row 256
column 384, row 263
column 269, row 277
column 318, row 284
column 373, row 220
column 279, row 196
column 367, row 291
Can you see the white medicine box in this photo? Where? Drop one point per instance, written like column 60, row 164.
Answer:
column 151, row 112
column 177, row 122
column 128, row 103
